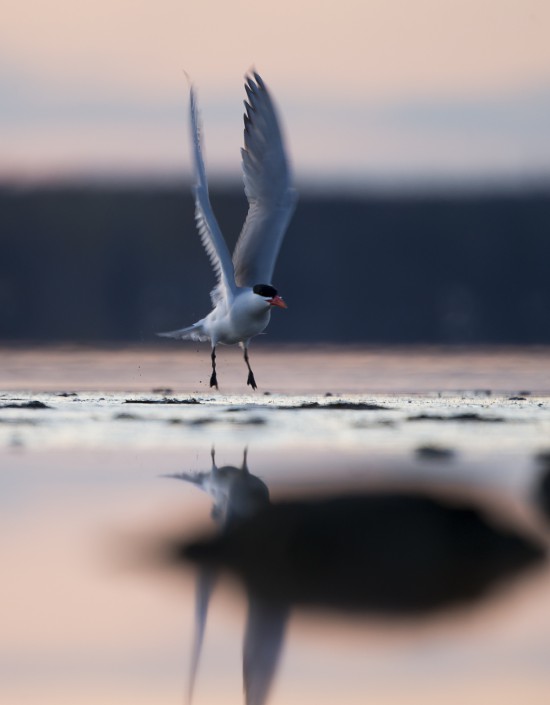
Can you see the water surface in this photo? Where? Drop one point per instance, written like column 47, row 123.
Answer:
column 92, row 613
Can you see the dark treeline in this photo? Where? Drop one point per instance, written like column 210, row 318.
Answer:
column 102, row 264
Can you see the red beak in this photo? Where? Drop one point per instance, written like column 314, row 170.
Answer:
column 277, row 301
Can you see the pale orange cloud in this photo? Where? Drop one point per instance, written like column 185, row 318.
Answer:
column 385, row 47
column 312, row 52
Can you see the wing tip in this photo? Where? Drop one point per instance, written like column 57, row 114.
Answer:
column 259, row 80
column 253, row 81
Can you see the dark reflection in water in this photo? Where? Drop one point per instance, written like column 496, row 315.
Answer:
column 542, row 493
column 386, row 552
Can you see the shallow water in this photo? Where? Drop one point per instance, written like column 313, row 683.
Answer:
column 91, row 613
column 279, row 369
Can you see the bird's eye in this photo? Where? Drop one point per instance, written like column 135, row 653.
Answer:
column 265, row 290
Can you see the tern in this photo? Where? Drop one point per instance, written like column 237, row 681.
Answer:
column 243, row 296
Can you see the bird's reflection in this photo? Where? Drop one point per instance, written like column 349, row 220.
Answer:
column 237, row 496
column 388, row 552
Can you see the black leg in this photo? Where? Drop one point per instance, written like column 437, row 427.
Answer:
column 251, row 381
column 244, row 466
column 213, row 377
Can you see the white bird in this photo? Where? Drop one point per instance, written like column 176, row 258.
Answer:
column 243, row 296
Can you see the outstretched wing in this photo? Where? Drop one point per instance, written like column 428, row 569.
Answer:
column 207, row 225
column 268, row 187
column 263, row 644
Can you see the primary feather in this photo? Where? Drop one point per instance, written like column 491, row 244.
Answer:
column 268, row 187
column 207, row 225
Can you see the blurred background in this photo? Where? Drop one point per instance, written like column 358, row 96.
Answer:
column 419, row 135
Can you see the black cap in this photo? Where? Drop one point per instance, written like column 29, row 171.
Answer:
column 265, row 290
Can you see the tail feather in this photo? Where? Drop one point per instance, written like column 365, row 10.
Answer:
column 194, row 332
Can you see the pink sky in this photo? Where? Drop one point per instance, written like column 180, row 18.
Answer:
column 369, row 91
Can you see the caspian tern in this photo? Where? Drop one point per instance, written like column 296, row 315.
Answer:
column 243, row 296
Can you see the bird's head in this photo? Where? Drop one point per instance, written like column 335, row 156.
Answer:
column 269, row 294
